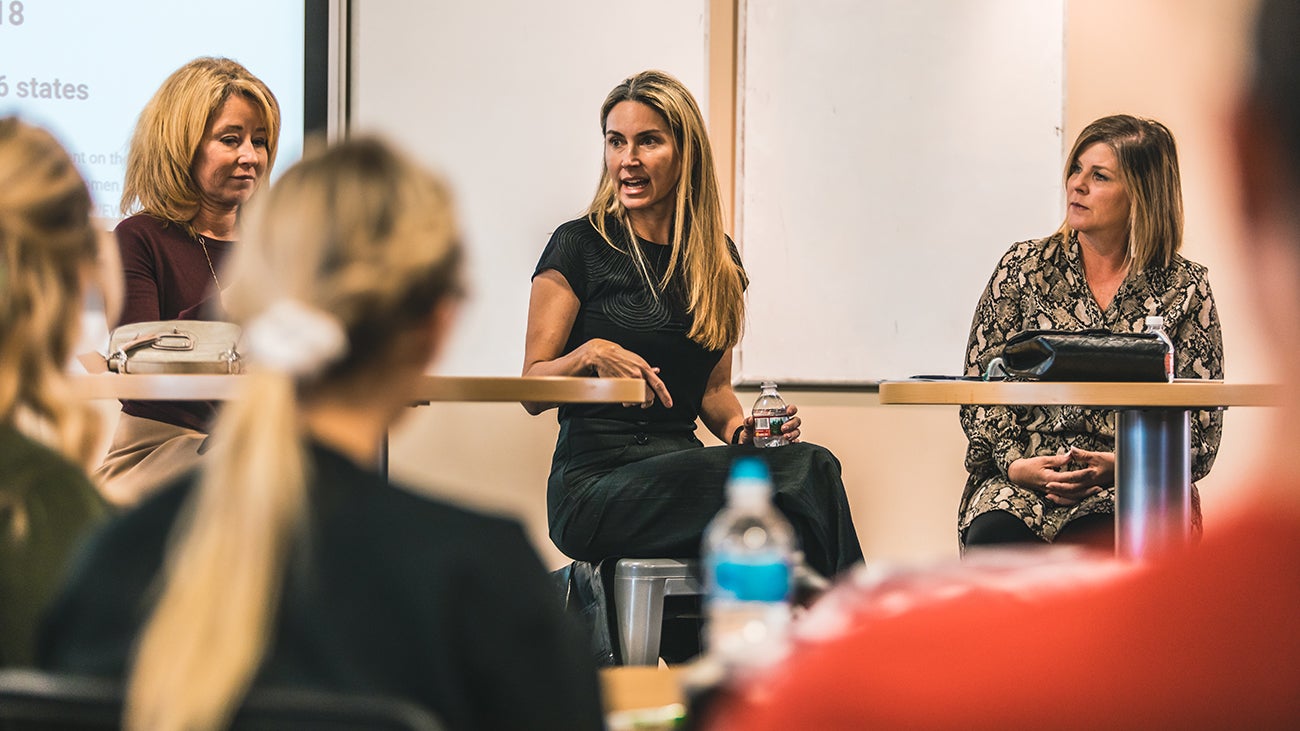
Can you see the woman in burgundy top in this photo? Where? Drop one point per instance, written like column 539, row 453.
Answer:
column 202, row 146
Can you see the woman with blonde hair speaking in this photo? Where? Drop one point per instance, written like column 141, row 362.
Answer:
column 287, row 559
column 648, row 285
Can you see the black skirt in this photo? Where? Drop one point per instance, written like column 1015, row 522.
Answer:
column 623, row 489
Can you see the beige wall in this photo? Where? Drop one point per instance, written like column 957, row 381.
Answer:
column 1180, row 61
column 1175, row 60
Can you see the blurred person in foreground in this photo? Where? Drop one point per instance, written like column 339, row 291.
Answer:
column 1204, row 638
column 286, row 559
column 47, row 253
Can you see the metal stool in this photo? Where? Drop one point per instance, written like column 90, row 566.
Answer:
column 640, row 585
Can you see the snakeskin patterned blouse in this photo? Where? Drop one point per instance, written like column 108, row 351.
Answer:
column 1040, row 285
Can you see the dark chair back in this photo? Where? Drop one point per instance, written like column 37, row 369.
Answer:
column 36, row 701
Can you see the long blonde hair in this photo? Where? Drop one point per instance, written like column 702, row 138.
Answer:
column 359, row 233
column 47, row 245
column 1148, row 168
column 714, row 282
column 167, row 135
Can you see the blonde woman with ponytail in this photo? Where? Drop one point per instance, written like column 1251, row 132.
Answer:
column 287, row 559
column 648, row 285
column 47, row 250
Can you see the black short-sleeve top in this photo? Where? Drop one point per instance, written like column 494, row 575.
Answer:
column 618, row 305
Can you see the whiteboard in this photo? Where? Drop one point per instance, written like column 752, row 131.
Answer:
column 503, row 97
column 85, row 68
column 890, row 152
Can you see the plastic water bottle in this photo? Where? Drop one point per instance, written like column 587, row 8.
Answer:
column 1156, row 324
column 749, row 553
column 769, row 417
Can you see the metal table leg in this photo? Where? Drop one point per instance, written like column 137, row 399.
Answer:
column 1153, row 478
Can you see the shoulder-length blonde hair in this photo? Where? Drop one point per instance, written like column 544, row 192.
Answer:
column 1148, row 169
column 47, row 246
column 159, row 178
column 366, row 237
column 714, row 282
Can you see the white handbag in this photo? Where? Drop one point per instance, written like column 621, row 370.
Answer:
column 175, row 346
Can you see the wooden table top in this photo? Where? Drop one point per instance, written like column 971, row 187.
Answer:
column 195, row 387
column 1189, row 393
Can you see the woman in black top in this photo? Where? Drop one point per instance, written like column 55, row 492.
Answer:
column 288, row 560
column 648, row 285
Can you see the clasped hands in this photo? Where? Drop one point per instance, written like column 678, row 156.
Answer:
column 1045, row 475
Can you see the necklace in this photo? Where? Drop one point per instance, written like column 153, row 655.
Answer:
column 203, row 242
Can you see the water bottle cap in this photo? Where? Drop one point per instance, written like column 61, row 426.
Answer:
column 1155, row 320
column 750, row 468
column 750, row 482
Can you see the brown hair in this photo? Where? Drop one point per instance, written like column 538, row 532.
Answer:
column 1148, row 168
column 1275, row 81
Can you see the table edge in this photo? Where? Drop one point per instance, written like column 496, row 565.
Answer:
column 219, row 387
column 1188, row 393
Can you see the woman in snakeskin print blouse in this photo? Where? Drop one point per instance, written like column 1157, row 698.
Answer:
column 1047, row 473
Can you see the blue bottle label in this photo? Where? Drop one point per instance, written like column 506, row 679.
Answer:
column 753, row 582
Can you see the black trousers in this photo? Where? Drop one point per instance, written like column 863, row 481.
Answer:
column 639, row 490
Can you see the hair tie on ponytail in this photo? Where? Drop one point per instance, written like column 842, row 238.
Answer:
column 294, row 338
